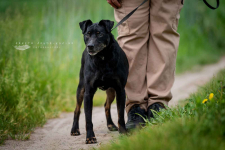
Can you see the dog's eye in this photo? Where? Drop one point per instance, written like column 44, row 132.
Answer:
column 88, row 34
column 99, row 34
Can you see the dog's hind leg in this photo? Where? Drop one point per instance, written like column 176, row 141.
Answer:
column 110, row 97
column 80, row 96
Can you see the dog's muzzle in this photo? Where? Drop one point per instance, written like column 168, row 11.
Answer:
column 91, row 50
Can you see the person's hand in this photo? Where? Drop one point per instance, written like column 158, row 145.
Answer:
column 114, row 3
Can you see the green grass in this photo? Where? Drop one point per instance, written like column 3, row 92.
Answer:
column 39, row 83
column 192, row 126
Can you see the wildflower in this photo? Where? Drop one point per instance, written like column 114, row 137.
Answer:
column 204, row 101
column 211, row 96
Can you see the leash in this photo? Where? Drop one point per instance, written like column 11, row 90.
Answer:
column 218, row 4
column 128, row 16
column 131, row 13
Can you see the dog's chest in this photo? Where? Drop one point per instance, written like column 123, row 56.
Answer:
column 104, row 81
column 104, row 74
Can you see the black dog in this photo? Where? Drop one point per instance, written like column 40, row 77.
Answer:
column 104, row 66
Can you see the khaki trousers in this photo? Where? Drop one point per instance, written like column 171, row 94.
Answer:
column 150, row 40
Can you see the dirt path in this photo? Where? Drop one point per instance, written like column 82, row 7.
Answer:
column 56, row 132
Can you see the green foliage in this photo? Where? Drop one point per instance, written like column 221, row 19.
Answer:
column 192, row 126
column 202, row 32
column 38, row 83
column 20, row 108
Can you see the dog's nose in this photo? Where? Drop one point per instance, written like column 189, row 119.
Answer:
column 90, row 46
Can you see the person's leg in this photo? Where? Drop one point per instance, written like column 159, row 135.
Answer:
column 163, row 45
column 133, row 37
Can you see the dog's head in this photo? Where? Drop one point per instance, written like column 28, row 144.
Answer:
column 96, row 35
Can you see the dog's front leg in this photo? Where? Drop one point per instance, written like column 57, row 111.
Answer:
column 88, row 104
column 120, row 100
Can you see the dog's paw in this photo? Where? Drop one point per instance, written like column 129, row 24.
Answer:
column 91, row 140
column 112, row 127
column 75, row 132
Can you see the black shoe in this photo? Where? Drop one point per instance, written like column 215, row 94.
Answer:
column 156, row 107
column 135, row 120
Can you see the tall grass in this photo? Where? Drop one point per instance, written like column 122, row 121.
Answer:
column 38, row 83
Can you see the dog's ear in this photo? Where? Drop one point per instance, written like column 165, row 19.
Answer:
column 107, row 24
column 84, row 25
